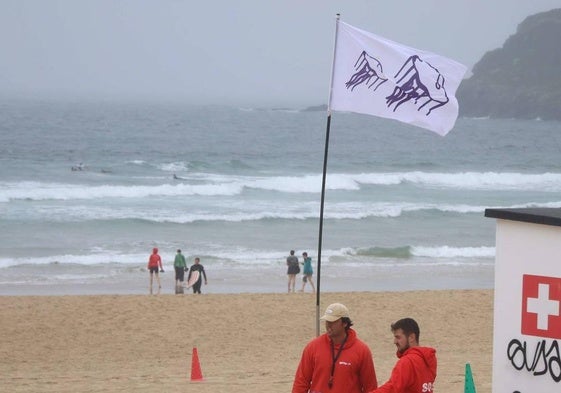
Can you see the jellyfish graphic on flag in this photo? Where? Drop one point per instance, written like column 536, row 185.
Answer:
column 375, row 76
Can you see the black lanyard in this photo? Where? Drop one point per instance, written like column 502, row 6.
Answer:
column 334, row 358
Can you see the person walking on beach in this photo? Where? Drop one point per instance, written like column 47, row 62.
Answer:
column 155, row 265
column 180, row 266
column 337, row 361
column 415, row 371
column 292, row 271
column 308, row 271
column 197, row 267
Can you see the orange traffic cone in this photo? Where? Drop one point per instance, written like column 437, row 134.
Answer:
column 196, row 373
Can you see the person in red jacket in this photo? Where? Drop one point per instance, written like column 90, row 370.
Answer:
column 155, row 265
column 415, row 371
column 337, row 361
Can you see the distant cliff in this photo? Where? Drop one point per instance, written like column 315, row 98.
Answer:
column 523, row 78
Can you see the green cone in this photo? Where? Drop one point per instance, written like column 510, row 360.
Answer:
column 469, row 386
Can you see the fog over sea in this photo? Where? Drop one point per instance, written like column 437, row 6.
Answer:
column 240, row 187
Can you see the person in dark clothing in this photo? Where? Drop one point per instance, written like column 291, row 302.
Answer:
column 292, row 271
column 197, row 267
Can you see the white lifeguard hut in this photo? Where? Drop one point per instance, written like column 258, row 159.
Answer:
column 527, row 304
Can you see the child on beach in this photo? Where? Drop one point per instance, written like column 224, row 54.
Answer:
column 308, row 272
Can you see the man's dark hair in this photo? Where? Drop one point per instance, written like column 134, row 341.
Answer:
column 409, row 326
column 347, row 321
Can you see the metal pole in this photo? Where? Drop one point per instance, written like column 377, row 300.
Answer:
column 323, row 180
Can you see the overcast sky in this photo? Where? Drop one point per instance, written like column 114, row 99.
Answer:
column 246, row 52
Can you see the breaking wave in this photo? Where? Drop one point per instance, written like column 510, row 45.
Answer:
column 228, row 185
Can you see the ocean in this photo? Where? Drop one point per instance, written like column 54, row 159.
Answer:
column 87, row 189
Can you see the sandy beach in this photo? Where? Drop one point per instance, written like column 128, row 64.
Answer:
column 246, row 342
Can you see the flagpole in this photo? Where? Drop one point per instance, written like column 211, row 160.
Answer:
column 323, row 179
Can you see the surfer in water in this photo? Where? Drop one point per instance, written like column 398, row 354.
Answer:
column 197, row 267
column 79, row 167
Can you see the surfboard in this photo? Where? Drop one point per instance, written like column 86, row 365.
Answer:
column 194, row 278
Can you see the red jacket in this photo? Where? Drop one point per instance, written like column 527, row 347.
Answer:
column 414, row 372
column 354, row 369
column 154, row 261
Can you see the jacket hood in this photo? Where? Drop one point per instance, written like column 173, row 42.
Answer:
column 425, row 354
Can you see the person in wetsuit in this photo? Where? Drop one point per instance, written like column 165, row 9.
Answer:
column 197, row 267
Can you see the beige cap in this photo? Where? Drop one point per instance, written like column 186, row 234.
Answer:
column 334, row 312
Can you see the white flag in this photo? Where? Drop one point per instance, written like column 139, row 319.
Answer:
column 379, row 77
